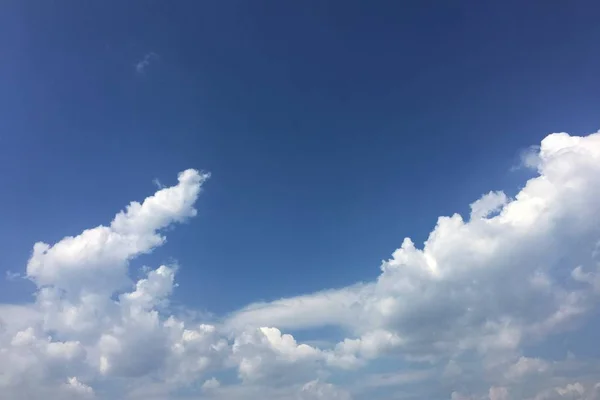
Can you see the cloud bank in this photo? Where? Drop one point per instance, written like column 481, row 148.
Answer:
column 471, row 314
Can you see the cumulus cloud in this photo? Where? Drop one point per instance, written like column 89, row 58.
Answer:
column 475, row 285
column 468, row 304
column 211, row 384
column 572, row 391
column 525, row 366
column 75, row 324
column 316, row 389
column 516, row 272
column 81, row 389
column 488, row 204
column 320, row 390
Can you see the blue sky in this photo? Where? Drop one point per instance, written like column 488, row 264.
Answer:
column 331, row 130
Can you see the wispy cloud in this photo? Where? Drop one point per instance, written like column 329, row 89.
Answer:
column 141, row 66
column 12, row 276
column 158, row 184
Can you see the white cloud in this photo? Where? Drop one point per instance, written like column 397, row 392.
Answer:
column 76, row 325
column 14, row 318
column 571, row 391
column 395, row 378
column 12, row 276
column 316, row 389
column 530, row 158
column 320, row 390
column 264, row 353
column 330, row 307
column 468, row 303
column 79, row 388
column 157, row 183
column 488, row 204
column 143, row 64
column 95, row 261
column 526, row 366
column 475, row 285
column 574, row 388
column 370, row 345
column 211, row 384
column 498, row 393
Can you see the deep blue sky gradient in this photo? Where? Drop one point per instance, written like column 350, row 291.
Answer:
column 333, row 129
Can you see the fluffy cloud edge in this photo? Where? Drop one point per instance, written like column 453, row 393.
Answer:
column 440, row 304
